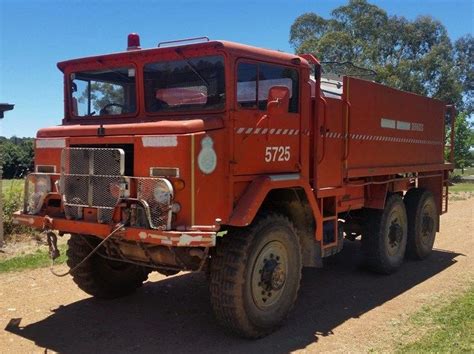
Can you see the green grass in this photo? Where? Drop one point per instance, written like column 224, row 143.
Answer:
column 467, row 171
column 9, row 184
column 452, row 327
column 462, row 187
column 30, row 261
column 12, row 198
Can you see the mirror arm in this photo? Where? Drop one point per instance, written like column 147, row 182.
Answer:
column 276, row 103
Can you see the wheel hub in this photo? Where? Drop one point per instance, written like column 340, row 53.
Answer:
column 395, row 234
column 273, row 275
column 269, row 275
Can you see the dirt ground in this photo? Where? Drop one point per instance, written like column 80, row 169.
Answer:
column 340, row 308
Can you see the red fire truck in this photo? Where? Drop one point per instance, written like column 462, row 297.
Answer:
column 220, row 157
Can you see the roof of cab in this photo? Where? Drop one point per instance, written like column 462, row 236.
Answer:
column 234, row 47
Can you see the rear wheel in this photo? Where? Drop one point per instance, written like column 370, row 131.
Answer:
column 101, row 277
column 422, row 222
column 384, row 242
column 255, row 276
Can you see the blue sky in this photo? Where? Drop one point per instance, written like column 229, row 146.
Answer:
column 36, row 34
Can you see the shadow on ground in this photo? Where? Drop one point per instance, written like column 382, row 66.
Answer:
column 174, row 315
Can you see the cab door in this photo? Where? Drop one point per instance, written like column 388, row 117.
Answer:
column 265, row 143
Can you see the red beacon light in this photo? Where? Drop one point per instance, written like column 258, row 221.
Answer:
column 133, row 41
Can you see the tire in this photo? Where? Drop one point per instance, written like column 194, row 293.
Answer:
column 423, row 221
column 255, row 276
column 100, row 277
column 384, row 242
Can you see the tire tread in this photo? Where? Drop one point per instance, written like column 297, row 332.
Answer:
column 228, row 278
column 372, row 246
column 87, row 279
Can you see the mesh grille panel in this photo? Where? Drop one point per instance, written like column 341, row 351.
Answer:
column 106, row 191
column 93, row 161
column 75, row 161
column 158, row 194
column 109, row 162
column 104, row 215
column 92, row 177
column 75, row 189
column 73, row 212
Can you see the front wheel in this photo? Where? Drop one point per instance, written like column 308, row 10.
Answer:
column 100, row 277
column 255, row 276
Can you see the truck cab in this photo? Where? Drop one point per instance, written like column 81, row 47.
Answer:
column 195, row 114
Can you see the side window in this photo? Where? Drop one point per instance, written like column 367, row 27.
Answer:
column 247, row 85
column 255, row 80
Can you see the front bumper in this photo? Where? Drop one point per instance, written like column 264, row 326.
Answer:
column 156, row 237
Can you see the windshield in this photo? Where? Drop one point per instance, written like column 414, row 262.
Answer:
column 105, row 92
column 182, row 85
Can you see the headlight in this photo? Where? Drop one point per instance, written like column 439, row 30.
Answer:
column 37, row 188
column 158, row 195
column 162, row 193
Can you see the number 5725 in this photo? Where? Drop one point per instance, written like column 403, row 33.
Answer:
column 277, row 153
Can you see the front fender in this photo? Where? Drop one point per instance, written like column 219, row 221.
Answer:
column 255, row 194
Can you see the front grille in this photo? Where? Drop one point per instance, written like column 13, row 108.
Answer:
column 94, row 178
column 93, row 161
column 128, row 149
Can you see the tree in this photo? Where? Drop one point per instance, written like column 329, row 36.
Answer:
column 464, row 59
column 463, row 141
column 102, row 94
column 416, row 56
column 17, row 156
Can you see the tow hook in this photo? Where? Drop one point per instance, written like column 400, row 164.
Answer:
column 52, row 244
column 51, row 238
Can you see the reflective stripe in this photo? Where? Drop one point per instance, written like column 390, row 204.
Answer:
column 50, row 143
column 272, row 131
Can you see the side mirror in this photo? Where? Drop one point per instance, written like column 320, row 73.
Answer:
column 278, row 100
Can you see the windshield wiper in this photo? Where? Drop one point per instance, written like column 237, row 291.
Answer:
column 191, row 66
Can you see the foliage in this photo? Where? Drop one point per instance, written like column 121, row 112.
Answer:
column 102, row 94
column 463, row 141
column 12, row 196
column 30, row 261
column 453, row 328
column 17, row 156
column 464, row 59
column 414, row 56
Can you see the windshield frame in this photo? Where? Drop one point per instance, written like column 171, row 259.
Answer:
column 184, row 56
column 137, row 61
column 96, row 66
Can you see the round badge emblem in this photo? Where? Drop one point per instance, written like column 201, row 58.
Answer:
column 207, row 158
